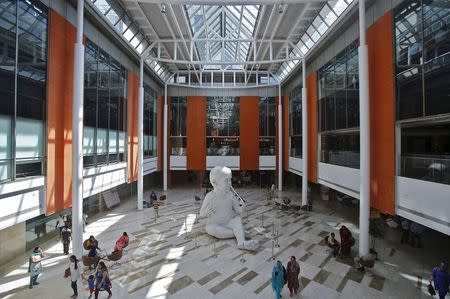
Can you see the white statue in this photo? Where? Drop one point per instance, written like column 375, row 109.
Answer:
column 224, row 210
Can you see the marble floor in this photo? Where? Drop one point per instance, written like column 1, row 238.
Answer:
column 172, row 257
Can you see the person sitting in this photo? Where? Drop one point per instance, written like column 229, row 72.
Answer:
column 91, row 244
column 122, row 242
column 347, row 241
column 366, row 261
column 333, row 244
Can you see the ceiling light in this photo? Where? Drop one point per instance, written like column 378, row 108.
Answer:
column 163, row 8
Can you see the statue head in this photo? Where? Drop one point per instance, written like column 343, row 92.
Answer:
column 220, row 178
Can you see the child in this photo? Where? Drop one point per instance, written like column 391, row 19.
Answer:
column 91, row 285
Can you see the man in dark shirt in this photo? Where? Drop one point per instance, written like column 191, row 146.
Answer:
column 66, row 235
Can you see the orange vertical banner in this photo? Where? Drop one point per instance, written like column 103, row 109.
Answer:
column 311, row 85
column 196, row 133
column 382, row 114
column 62, row 37
column 133, row 102
column 249, row 132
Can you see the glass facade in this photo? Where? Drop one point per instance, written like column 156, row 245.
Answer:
column 339, row 109
column 105, row 108
column 178, row 115
column 422, row 44
column 150, row 122
column 295, row 122
column 267, row 126
column 222, row 126
column 422, row 48
column 23, row 88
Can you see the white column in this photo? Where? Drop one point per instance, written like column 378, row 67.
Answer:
column 304, row 137
column 280, row 141
column 140, row 182
column 165, row 141
column 364, row 135
column 77, row 137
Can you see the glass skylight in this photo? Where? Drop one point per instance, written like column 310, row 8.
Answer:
column 329, row 13
column 222, row 22
column 129, row 30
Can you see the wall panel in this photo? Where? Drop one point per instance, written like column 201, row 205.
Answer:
column 382, row 115
column 249, row 133
column 133, row 102
column 196, row 133
column 311, row 85
column 62, row 37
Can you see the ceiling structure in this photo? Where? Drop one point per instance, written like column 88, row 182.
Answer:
column 214, row 43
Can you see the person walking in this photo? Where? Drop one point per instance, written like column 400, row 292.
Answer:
column 74, row 274
column 66, row 235
column 60, row 224
column 278, row 279
column 293, row 270
column 35, row 266
column 441, row 279
column 102, row 281
column 416, row 231
column 405, row 231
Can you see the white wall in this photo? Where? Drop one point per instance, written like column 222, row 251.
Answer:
column 267, row 162
column 296, row 165
column 232, row 162
column 424, row 202
column 178, row 162
column 150, row 165
column 99, row 179
column 21, row 200
column 342, row 179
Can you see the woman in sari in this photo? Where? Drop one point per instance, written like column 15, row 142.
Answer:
column 102, row 281
column 293, row 270
column 347, row 241
column 277, row 279
column 122, row 242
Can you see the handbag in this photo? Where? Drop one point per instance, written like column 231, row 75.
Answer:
column 67, row 273
column 431, row 289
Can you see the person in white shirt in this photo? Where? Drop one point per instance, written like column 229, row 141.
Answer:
column 74, row 274
column 60, row 223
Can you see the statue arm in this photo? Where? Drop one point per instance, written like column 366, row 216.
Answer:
column 238, row 206
column 206, row 208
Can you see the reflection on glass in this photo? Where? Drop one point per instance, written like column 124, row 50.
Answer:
column 425, row 153
column 267, row 126
column 178, row 106
column 340, row 149
column 222, row 126
column 150, row 122
column 295, row 122
column 105, row 101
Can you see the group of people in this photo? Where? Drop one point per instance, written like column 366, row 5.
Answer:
column 97, row 283
column 288, row 275
column 344, row 247
column 412, row 233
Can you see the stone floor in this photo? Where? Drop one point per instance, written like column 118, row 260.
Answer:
column 172, row 257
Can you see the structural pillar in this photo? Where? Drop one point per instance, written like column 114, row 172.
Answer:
column 304, row 136
column 280, row 141
column 364, row 135
column 165, row 157
column 140, row 182
column 77, row 136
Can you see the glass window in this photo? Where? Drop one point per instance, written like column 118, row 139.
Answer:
column 422, row 41
column 23, row 106
column 295, row 122
column 178, row 107
column 340, row 149
column 425, row 153
column 267, row 126
column 150, row 118
column 222, row 126
column 105, row 91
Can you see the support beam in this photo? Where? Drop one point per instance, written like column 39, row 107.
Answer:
column 229, row 2
column 364, row 135
column 280, row 141
column 165, row 157
column 77, row 136
column 304, row 137
column 140, row 183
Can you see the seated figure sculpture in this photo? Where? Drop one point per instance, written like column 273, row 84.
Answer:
column 224, row 210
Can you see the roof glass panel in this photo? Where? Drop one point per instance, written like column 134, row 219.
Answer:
column 222, row 22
